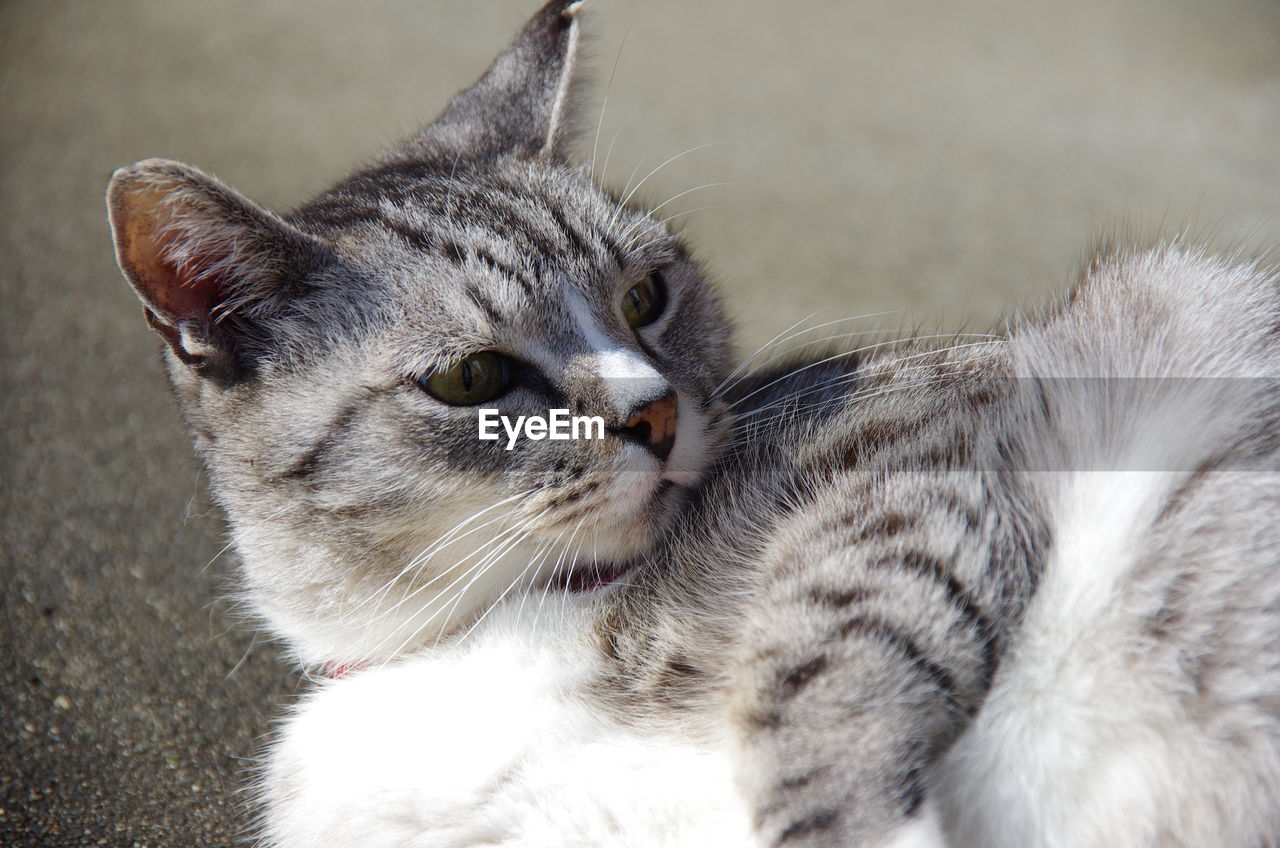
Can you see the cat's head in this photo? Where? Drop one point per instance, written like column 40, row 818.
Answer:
column 333, row 363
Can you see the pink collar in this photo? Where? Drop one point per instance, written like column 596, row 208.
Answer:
column 337, row 670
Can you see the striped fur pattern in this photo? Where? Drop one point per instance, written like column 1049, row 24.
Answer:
column 1015, row 592
column 368, row 517
column 1022, row 591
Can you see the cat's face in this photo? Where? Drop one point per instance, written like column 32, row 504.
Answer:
column 334, row 365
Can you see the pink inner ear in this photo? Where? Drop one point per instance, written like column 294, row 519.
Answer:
column 174, row 292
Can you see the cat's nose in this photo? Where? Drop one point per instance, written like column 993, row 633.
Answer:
column 653, row 426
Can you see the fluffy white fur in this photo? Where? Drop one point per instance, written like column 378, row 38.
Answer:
column 490, row 742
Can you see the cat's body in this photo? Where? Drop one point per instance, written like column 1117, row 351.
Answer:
column 1020, row 591
column 1057, row 551
column 1106, row 531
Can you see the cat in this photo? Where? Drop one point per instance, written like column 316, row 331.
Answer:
column 1013, row 592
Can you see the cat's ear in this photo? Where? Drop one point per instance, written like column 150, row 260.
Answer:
column 524, row 105
column 209, row 265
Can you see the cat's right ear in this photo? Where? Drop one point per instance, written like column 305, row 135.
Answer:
column 210, row 266
column 524, row 105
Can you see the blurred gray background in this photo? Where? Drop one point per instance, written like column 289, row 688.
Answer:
column 958, row 158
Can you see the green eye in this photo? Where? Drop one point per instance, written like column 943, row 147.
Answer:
column 476, row 379
column 643, row 302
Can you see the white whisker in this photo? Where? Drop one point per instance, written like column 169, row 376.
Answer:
column 229, row 545
column 853, row 397
column 847, row 353
column 617, row 208
column 855, row 334
column 510, row 540
column 604, row 172
column 502, row 542
column 489, row 563
column 729, row 382
column 546, row 587
column 536, row 559
column 633, row 248
column 669, row 200
column 443, row 542
column 630, row 194
column 595, row 145
column 759, row 350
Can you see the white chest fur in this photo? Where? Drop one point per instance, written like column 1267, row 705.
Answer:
column 490, row 743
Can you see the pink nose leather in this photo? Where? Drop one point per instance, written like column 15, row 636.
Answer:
column 655, row 425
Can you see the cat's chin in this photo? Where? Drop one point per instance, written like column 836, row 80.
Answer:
column 643, row 506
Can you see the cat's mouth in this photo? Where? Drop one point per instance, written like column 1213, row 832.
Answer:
column 590, row 576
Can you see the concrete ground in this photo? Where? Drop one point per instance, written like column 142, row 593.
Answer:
column 955, row 157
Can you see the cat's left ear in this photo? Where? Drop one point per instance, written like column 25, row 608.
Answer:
column 524, row 104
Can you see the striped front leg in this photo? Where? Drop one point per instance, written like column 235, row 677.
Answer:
column 870, row 646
